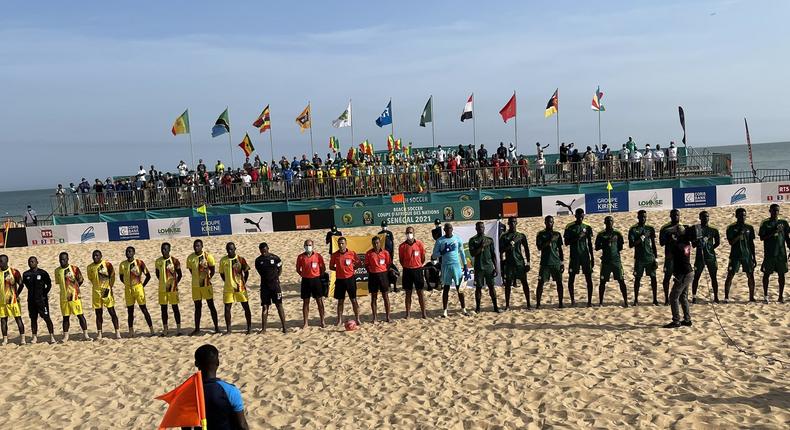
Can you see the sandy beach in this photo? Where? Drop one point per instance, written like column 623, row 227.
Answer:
column 570, row 368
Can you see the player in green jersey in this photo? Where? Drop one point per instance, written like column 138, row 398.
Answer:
column 664, row 235
column 642, row 238
column 610, row 243
column 549, row 242
column 578, row 237
column 741, row 237
column 514, row 258
column 775, row 234
column 706, row 241
column 481, row 247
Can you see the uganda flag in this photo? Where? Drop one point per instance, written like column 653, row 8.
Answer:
column 553, row 106
column 263, row 122
column 246, row 145
column 181, row 126
column 303, row 120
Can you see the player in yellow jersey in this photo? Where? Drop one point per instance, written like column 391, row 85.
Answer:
column 234, row 271
column 11, row 285
column 168, row 271
column 69, row 279
column 131, row 271
column 201, row 266
column 102, row 277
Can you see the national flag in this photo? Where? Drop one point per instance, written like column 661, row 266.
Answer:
column 246, row 145
column 201, row 210
column 186, row 406
column 390, row 143
column 398, row 146
column 398, row 198
column 468, row 108
column 263, row 122
column 181, row 126
column 344, row 120
column 596, row 101
column 303, row 120
column 334, row 144
column 553, row 106
column 386, row 117
column 407, row 150
column 427, row 112
column 682, row 116
column 352, row 154
column 222, row 125
column 366, row 147
column 509, row 111
column 749, row 146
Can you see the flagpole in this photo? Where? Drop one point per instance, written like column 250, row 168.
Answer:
column 310, row 110
column 350, row 121
column 392, row 123
column 515, row 121
column 192, row 152
column 433, row 130
column 230, row 141
column 474, row 122
column 271, row 138
column 558, row 129
column 599, row 124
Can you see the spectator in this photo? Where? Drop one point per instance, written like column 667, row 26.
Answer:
column 141, row 174
column 672, row 159
column 624, row 161
column 636, row 162
column 30, row 217
column 541, row 171
column 219, row 168
column 647, row 160
column 482, row 153
column 658, row 157
column 501, row 152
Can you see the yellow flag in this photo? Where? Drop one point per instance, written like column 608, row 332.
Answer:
column 304, row 119
column 202, row 210
column 609, row 186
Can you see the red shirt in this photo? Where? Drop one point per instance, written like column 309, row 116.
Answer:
column 310, row 267
column 411, row 256
column 344, row 263
column 377, row 262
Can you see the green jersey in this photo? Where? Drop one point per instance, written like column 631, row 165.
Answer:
column 610, row 243
column 510, row 246
column 576, row 236
column 639, row 238
column 741, row 238
column 550, row 245
column 481, row 248
column 707, row 243
column 774, row 233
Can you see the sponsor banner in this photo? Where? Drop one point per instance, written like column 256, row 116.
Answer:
column 410, row 214
column 49, row 235
column 650, row 200
column 563, row 204
column 738, row 194
column 466, row 232
column 360, row 245
column 14, row 238
column 167, row 228
column 521, row 207
column 775, row 192
column 87, row 232
column 128, row 230
column 694, row 197
column 215, row 225
column 259, row 222
column 599, row 203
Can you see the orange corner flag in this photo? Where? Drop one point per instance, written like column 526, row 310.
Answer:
column 186, row 405
column 398, row 198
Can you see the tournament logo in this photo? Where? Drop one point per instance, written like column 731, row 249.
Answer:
column 88, row 235
column 464, row 197
column 467, row 212
column 449, row 213
column 367, row 218
column 738, row 196
column 347, row 218
column 358, row 204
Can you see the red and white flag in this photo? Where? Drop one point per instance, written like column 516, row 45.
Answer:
column 468, row 108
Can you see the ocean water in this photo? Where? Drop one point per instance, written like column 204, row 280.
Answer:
column 775, row 155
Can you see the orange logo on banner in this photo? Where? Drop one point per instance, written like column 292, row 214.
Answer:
column 302, row 221
column 509, row 209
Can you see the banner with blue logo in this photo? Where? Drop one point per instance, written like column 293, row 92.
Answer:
column 694, row 197
column 738, row 194
column 128, row 230
column 215, row 225
column 598, row 203
column 87, row 232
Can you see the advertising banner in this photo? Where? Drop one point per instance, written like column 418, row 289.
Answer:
column 466, row 232
column 410, row 214
column 563, row 204
column 128, row 230
column 260, row 222
column 88, row 232
column 738, row 194
column 216, row 225
column 168, row 228
column 775, row 192
column 49, row 235
column 694, row 197
column 650, row 200
column 360, row 245
column 600, row 203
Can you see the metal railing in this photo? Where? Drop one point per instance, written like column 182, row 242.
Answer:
column 760, row 175
column 412, row 180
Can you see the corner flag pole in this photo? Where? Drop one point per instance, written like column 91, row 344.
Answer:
column 609, row 190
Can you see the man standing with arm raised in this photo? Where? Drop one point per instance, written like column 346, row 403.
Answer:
column 578, row 237
column 201, row 266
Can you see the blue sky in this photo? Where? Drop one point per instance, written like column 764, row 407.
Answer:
column 91, row 88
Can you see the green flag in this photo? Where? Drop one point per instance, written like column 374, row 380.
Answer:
column 427, row 113
column 222, row 125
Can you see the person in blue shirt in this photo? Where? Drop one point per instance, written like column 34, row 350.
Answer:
column 451, row 250
column 224, row 406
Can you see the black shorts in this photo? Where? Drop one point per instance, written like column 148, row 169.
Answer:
column 271, row 294
column 311, row 287
column 413, row 279
column 345, row 286
column 379, row 282
column 36, row 310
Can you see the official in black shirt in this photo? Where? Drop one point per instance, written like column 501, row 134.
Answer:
column 333, row 232
column 269, row 267
column 436, row 233
column 38, row 284
column 679, row 242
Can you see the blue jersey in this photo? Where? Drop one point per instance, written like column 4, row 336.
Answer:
column 223, row 400
column 451, row 249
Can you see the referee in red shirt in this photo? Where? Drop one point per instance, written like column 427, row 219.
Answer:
column 344, row 263
column 378, row 261
column 412, row 256
column 310, row 266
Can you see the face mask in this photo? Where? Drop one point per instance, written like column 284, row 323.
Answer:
column 308, row 249
column 409, row 236
column 384, row 228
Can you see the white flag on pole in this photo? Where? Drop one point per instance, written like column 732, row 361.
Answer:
column 344, row 120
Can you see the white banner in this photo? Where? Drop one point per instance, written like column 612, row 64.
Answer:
column 775, row 192
column 257, row 222
column 49, row 235
column 650, row 200
column 87, row 232
column 168, row 228
column 466, row 232
column 738, row 194
column 564, row 204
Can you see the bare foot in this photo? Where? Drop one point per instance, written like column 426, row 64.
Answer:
column 34, row 339
column 195, row 332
